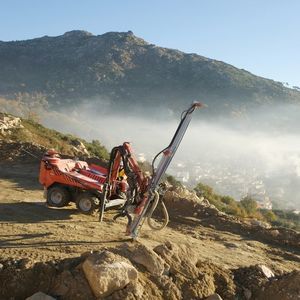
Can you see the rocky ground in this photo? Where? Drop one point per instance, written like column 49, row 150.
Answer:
column 67, row 255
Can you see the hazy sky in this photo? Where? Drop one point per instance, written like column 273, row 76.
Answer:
column 261, row 36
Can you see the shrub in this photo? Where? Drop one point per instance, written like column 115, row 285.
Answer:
column 173, row 181
column 269, row 215
column 250, row 205
column 205, row 191
column 95, row 148
column 228, row 200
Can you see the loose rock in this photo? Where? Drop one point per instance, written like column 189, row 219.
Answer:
column 107, row 273
column 148, row 258
column 266, row 271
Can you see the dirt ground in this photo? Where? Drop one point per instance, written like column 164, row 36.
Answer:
column 30, row 229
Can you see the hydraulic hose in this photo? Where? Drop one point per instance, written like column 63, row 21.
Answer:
column 152, row 209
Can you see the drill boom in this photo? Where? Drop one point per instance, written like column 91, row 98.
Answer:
column 167, row 156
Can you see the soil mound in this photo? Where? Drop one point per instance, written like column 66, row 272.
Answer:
column 185, row 207
column 180, row 274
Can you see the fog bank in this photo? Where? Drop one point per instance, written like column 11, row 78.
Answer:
column 257, row 155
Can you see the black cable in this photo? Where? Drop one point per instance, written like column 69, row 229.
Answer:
column 154, row 159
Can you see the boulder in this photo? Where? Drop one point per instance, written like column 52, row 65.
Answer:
column 107, row 273
column 146, row 257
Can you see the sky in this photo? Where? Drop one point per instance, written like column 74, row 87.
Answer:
column 259, row 36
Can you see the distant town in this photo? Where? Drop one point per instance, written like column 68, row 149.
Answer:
column 269, row 190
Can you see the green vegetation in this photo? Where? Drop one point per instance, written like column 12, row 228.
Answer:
column 224, row 203
column 248, row 208
column 269, row 215
column 286, row 219
column 96, row 149
column 173, row 181
column 34, row 132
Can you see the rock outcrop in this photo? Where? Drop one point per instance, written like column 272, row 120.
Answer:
column 7, row 123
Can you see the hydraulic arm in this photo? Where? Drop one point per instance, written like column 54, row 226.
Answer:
column 150, row 198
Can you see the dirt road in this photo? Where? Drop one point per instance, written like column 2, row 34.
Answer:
column 30, row 229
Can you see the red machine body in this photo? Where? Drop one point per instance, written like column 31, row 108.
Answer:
column 54, row 170
column 68, row 180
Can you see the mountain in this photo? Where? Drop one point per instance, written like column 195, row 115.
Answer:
column 125, row 71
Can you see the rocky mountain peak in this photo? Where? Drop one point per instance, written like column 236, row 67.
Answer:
column 77, row 34
column 124, row 37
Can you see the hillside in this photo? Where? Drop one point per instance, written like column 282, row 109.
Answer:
column 125, row 71
column 20, row 136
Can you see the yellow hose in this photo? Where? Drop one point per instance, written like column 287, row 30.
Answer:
column 165, row 212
